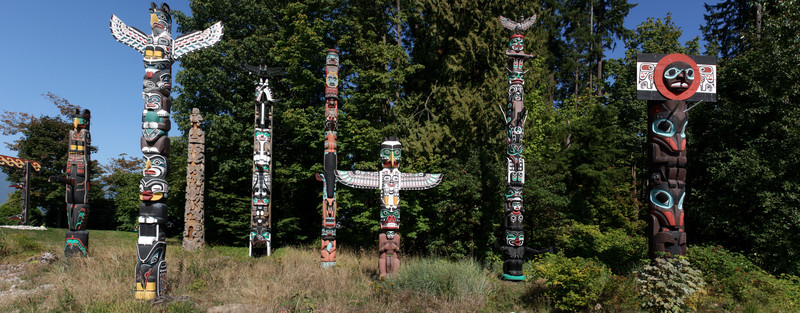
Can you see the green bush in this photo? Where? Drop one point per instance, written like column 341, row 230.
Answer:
column 572, row 284
column 615, row 248
column 666, row 285
column 452, row 280
column 737, row 284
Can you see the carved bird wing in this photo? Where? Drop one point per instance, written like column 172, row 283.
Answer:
column 197, row 40
column 128, row 35
column 359, row 179
column 508, row 23
column 527, row 22
column 419, row 181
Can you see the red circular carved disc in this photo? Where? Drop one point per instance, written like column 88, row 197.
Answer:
column 659, row 74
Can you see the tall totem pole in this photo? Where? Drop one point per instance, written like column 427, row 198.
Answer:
column 390, row 181
column 24, row 185
column 328, row 177
column 160, row 51
column 77, row 185
column 261, row 206
column 514, row 116
column 193, row 216
column 667, row 81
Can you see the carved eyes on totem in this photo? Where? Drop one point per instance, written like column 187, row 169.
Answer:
column 678, row 76
column 386, row 153
column 516, row 218
column 666, row 128
column 664, row 199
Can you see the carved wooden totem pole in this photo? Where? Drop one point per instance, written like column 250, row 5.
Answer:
column 328, row 177
column 515, row 115
column 77, row 185
column 160, row 51
column 194, row 229
column 24, row 185
column 261, row 206
column 667, row 82
column 390, row 181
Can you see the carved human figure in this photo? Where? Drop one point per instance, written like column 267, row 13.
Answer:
column 389, row 249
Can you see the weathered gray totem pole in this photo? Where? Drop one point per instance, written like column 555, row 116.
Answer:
column 390, row 181
column 24, row 185
column 193, row 216
column 514, row 116
column 328, row 177
column 160, row 51
column 667, row 81
column 261, row 206
column 77, row 185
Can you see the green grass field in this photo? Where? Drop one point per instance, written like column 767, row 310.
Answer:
column 225, row 279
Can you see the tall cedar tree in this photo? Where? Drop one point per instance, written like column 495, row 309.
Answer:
column 743, row 164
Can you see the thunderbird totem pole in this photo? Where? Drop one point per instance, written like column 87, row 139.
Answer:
column 390, row 181
column 193, row 216
column 77, row 182
column 667, row 82
column 261, row 206
column 328, row 177
column 160, row 51
column 24, row 185
column 514, row 117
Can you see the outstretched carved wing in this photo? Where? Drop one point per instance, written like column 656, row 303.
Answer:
column 359, row 179
column 128, row 35
column 263, row 70
column 419, row 181
column 197, row 40
column 527, row 22
column 508, row 23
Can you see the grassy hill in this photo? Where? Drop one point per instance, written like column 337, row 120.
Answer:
column 225, row 279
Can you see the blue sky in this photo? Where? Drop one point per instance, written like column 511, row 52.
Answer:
column 65, row 47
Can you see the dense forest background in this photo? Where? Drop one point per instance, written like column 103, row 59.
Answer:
column 433, row 74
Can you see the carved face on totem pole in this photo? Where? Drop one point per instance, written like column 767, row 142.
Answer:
column 160, row 20
column 390, row 217
column 391, row 153
column 678, row 77
column 80, row 120
column 261, row 188
column 668, row 127
column 155, row 166
column 515, row 238
column 517, row 43
column 152, row 189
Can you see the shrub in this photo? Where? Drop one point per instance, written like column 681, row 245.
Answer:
column 666, row 285
column 738, row 283
column 615, row 248
column 452, row 280
column 572, row 284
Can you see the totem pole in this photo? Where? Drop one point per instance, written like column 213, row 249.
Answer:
column 514, row 117
column 667, row 82
column 160, row 51
column 328, row 177
column 24, row 185
column 390, row 181
column 194, row 229
column 77, row 182
column 261, row 206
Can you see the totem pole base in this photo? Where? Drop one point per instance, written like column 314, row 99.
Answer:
column 328, row 264
column 76, row 243
column 148, row 293
column 513, row 277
